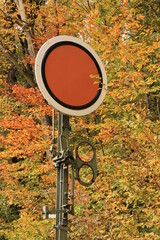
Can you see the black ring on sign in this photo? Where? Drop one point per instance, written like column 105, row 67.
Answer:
column 88, row 183
column 81, row 158
column 46, row 84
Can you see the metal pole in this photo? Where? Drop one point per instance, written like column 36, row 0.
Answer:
column 62, row 179
column 64, row 159
column 64, row 206
column 58, row 181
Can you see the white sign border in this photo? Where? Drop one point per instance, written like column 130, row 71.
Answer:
column 41, row 85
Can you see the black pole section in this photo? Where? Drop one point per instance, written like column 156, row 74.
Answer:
column 62, row 163
column 58, row 180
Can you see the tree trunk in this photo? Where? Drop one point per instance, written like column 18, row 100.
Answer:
column 20, row 6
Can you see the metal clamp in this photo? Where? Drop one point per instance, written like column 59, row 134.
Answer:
column 47, row 214
column 52, row 214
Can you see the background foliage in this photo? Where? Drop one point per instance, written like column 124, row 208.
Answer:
column 124, row 202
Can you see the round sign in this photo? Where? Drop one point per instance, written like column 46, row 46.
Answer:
column 70, row 75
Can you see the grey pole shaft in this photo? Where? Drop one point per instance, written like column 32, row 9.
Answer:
column 65, row 146
column 57, row 235
column 62, row 179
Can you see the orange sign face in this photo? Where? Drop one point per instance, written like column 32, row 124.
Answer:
column 63, row 72
column 67, row 72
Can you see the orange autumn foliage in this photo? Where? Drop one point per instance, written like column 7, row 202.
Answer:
column 124, row 201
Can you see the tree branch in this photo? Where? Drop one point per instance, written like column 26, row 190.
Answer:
column 8, row 17
column 20, row 6
column 20, row 68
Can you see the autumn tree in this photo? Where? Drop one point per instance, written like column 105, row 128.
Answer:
column 124, row 201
